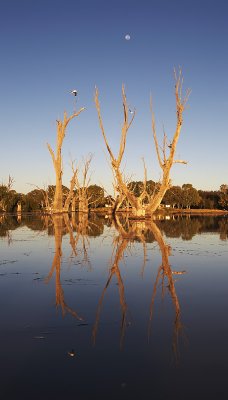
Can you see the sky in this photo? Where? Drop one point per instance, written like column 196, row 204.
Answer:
column 48, row 48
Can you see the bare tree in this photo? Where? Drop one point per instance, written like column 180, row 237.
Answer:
column 10, row 182
column 165, row 161
column 82, row 187
column 57, row 159
column 71, row 192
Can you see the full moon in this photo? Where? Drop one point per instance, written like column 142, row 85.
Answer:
column 127, row 37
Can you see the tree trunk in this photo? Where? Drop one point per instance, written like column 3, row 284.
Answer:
column 83, row 205
column 73, row 204
column 57, row 160
column 58, row 198
column 19, row 207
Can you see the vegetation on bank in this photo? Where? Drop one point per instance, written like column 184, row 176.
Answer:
column 177, row 198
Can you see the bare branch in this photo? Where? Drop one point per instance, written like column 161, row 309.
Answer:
column 52, row 153
column 155, row 135
column 97, row 103
column 67, row 120
column 180, row 162
column 125, row 127
column 122, row 187
column 168, row 163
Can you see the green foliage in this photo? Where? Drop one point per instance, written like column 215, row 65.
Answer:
column 223, row 196
column 8, row 199
column 190, row 196
column 3, row 197
column 136, row 187
column 182, row 197
column 209, row 199
column 173, row 197
column 95, row 196
column 34, row 200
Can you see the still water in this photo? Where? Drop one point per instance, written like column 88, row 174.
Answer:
column 113, row 309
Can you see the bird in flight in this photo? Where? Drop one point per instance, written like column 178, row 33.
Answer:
column 74, row 92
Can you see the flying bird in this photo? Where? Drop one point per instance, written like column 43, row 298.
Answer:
column 74, row 92
column 130, row 111
column 71, row 353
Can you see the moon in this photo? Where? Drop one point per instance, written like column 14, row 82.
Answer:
column 127, row 37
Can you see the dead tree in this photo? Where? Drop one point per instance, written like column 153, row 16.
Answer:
column 116, row 161
column 82, row 187
column 165, row 161
column 57, row 159
column 71, row 192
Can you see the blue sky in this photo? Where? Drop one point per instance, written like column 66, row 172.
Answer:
column 49, row 47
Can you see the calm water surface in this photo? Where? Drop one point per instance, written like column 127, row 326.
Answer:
column 113, row 310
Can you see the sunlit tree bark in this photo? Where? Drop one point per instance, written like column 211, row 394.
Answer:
column 71, row 192
column 57, row 159
column 165, row 155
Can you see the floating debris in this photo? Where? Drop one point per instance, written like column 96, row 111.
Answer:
column 3, row 262
column 38, row 337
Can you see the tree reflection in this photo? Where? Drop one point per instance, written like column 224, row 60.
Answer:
column 58, row 223
column 165, row 273
column 78, row 228
column 120, row 245
column 143, row 232
column 185, row 227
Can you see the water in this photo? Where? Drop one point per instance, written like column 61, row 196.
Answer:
column 114, row 310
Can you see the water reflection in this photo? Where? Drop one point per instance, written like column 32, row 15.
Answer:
column 78, row 228
column 58, row 223
column 164, row 274
column 120, row 244
column 181, row 226
column 144, row 314
column 143, row 232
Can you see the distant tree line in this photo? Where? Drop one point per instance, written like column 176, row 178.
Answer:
column 180, row 197
column 189, row 197
column 42, row 199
